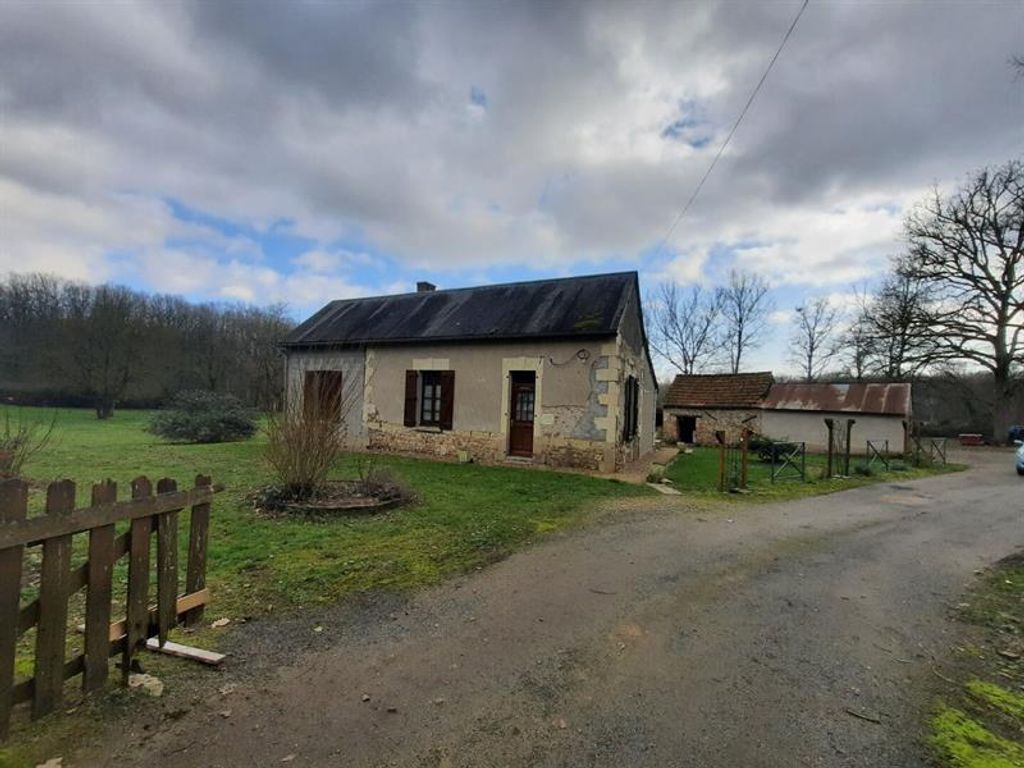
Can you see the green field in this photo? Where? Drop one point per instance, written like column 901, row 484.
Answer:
column 468, row 515
column 697, row 473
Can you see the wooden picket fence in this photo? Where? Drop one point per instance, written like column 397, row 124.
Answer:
column 53, row 532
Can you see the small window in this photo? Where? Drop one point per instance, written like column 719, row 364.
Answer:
column 430, row 398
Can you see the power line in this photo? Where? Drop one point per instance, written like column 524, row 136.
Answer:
column 721, row 149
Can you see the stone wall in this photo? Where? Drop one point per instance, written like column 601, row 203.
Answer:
column 482, row 447
column 709, row 421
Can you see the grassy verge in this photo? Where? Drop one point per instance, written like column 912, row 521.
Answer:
column 697, row 473
column 467, row 516
column 980, row 723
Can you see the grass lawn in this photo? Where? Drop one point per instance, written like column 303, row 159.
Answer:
column 697, row 473
column 980, row 722
column 468, row 515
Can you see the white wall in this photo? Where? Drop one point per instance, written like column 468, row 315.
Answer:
column 351, row 362
column 809, row 427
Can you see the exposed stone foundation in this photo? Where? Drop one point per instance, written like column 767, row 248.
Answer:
column 485, row 447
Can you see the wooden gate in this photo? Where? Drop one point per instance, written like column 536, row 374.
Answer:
column 54, row 532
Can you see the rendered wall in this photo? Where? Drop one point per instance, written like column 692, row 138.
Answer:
column 351, row 364
column 570, row 420
column 809, row 427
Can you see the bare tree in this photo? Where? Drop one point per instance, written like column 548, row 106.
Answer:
column 857, row 345
column 896, row 318
column 684, row 325
column 104, row 334
column 74, row 344
column 746, row 304
column 813, row 343
column 967, row 251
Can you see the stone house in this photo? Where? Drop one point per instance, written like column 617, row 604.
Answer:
column 697, row 406
column 553, row 372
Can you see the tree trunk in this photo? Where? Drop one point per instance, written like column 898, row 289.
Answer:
column 104, row 408
column 1002, row 405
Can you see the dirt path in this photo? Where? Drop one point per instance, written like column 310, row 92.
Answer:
column 743, row 636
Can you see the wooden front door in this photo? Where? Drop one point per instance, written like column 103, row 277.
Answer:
column 520, row 414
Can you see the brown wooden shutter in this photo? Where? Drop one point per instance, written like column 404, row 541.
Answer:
column 411, row 385
column 447, row 398
column 331, row 396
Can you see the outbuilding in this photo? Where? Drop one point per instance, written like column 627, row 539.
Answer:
column 697, row 407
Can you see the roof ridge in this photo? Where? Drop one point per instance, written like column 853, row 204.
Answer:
column 516, row 283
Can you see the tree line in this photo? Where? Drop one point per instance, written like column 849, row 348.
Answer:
column 68, row 343
column 950, row 306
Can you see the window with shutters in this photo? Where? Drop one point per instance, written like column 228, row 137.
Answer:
column 430, row 398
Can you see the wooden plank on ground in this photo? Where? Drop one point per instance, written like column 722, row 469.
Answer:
column 210, row 658
column 137, row 619
column 100, row 569
column 51, row 633
column 37, row 529
column 13, row 505
column 167, row 565
column 199, row 527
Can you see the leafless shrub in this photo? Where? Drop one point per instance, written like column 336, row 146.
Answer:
column 20, row 440
column 305, row 441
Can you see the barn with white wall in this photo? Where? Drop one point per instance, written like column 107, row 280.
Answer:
column 797, row 412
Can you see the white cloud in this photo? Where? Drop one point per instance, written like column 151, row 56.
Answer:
column 352, row 121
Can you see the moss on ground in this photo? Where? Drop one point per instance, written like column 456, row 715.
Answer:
column 963, row 742
column 984, row 727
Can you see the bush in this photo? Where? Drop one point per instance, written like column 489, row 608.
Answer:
column 302, row 449
column 197, row 416
column 864, row 469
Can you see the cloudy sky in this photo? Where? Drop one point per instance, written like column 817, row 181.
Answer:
column 300, row 152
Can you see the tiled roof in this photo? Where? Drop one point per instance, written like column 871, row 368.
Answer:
column 589, row 306
column 886, row 399
column 730, row 390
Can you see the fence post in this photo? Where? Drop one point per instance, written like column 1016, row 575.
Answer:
column 830, row 425
column 13, row 505
column 745, row 448
column 849, row 432
column 98, row 594
column 137, row 618
column 167, row 565
column 195, row 576
column 51, row 632
column 720, row 437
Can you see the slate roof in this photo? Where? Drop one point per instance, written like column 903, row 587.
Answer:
column 729, row 390
column 882, row 399
column 589, row 306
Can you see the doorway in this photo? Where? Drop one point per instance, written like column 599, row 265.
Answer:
column 520, row 413
column 687, row 426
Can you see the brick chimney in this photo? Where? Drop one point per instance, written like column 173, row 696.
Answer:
column 424, row 287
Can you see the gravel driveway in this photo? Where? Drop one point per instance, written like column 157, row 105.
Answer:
column 793, row 634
